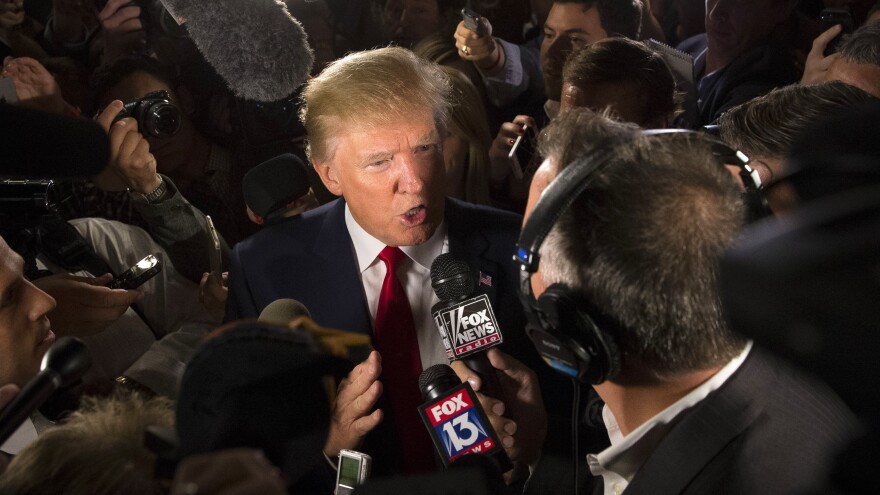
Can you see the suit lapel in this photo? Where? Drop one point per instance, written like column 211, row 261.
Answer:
column 703, row 432
column 470, row 245
column 333, row 246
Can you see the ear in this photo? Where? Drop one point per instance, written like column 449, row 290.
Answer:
column 329, row 177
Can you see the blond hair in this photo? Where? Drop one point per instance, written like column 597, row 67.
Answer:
column 98, row 450
column 468, row 120
column 371, row 88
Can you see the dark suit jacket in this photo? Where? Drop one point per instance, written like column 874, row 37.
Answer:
column 768, row 429
column 753, row 73
column 311, row 259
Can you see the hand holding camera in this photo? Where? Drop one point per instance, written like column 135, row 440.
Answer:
column 130, row 156
column 122, row 28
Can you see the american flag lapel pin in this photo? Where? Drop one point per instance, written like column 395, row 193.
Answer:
column 485, row 279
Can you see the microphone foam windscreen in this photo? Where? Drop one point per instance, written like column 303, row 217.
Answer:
column 274, row 183
column 435, row 373
column 283, row 311
column 40, row 145
column 451, row 277
column 254, row 45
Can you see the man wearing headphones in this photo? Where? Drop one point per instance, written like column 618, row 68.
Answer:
column 621, row 244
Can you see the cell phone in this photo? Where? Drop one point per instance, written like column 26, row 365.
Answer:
column 7, row 91
column 138, row 274
column 831, row 18
column 353, row 470
column 472, row 21
column 214, row 255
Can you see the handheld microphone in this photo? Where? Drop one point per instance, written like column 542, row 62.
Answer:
column 284, row 311
column 256, row 47
column 64, row 363
column 456, row 420
column 339, row 343
column 467, row 324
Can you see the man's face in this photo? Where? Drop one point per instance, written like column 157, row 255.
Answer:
column 623, row 99
column 862, row 76
column 734, row 26
column 406, row 22
column 542, row 178
column 25, row 334
column 569, row 26
column 392, row 178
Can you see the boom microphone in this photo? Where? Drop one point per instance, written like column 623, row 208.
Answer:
column 254, row 45
column 64, row 363
column 466, row 322
column 456, row 420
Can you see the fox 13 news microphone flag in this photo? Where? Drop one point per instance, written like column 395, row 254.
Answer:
column 456, row 420
column 466, row 321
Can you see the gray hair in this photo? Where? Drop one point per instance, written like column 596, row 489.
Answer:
column 863, row 45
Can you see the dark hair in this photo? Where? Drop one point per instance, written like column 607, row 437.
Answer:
column 618, row 17
column 643, row 244
column 767, row 126
column 109, row 75
column 863, row 45
column 625, row 61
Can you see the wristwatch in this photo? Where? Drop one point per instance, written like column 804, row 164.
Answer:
column 154, row 196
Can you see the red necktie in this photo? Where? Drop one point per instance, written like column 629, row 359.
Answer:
column 395, row 339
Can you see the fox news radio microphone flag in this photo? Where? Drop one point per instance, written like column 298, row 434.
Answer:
column 466, row 321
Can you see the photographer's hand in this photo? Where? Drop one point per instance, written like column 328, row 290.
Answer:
column 122, row 29
column 130, row 156
column 84, row 305
column 35, row 86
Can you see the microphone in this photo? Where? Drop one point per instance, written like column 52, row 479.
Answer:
column 274, row 184
column 283, row 311
column 466, row 322
column 40, row 145
column 456, row 420
column 339, row 343
column 255, row 46
column 64, row 363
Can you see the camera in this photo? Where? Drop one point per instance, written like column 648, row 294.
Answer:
column 156, row 114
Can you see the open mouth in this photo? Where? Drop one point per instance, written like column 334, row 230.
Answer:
column 47, row 340
column 415, row 216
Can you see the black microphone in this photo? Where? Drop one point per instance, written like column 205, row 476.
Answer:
column 256, row 47
column 40, row 145
column 466, row 321
column 455, row 419
column 272, row 185
column 64, row 363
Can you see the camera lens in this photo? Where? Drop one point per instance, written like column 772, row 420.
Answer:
column 163, row 120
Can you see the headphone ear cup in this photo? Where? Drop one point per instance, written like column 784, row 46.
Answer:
column 568, row 319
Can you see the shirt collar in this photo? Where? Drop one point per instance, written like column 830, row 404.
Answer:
column 25, row 435
column 367, row 247
column 627, row 453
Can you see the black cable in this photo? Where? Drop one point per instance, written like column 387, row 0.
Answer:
column 575, row 407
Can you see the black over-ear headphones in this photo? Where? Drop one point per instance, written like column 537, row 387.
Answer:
column 569, row 333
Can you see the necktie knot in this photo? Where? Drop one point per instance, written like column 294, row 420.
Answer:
column 392, row 256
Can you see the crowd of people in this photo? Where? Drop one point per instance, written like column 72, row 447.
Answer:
column 625, row 179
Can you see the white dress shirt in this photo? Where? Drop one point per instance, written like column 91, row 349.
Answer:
column 619, row 463
column 414, row 273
